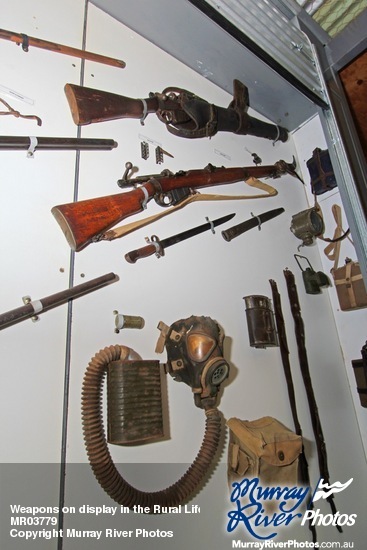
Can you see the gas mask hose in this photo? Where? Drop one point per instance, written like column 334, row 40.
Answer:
column 99, row 456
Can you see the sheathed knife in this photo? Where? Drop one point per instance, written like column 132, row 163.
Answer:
column 157, row 246
column 255, row 221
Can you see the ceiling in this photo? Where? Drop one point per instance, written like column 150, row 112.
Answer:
column 333, row 15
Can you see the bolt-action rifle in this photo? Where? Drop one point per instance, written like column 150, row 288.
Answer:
column 184, row 113
column 86, row 221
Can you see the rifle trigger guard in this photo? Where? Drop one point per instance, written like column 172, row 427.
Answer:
column 173, row 197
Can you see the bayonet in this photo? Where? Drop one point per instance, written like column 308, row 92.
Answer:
column 255, row 221
column 157, row 246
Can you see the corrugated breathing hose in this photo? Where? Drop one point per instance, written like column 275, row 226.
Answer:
column 99, row 456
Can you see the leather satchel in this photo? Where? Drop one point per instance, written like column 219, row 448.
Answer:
column 321, row 172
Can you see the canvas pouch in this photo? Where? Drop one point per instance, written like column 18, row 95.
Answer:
column 263, row 448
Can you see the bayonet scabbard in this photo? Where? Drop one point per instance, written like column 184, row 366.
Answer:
column 255, row 221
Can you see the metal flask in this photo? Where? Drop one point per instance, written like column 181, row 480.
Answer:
column 260, row 322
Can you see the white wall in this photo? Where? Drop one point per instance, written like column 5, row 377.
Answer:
column 351, row 325
column 202, row 276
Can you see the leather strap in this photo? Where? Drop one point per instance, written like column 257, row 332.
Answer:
column 284, row 351
column 122, row 230
column 332, row 250
column 303, row 361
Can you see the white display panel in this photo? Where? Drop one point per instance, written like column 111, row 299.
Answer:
column 202, row 276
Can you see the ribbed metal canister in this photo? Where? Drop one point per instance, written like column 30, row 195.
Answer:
column 134, row 402
column 260, row 322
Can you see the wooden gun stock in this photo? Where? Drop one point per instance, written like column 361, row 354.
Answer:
column 88, row 105
column 82, row 222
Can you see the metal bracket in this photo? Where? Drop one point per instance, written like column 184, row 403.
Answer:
column 37, row 306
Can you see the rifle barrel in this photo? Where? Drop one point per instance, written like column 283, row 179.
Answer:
column 10, row 143
column 45, row 304
column 59, row 48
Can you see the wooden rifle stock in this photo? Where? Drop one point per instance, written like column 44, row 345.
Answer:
column 88, row 105
column 85, row 221
column 82, row 222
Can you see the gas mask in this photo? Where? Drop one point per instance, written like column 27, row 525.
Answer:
column 195, row 356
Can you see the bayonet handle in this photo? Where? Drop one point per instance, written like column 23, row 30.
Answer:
column 144, row 252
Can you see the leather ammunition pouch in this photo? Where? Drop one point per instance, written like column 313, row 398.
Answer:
column 195, row 117
column 263, row 448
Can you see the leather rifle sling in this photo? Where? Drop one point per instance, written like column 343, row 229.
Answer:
column 302, row 355
column 125, row 229
column 284, row 351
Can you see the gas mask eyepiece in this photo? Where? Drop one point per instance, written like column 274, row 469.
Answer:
column 195, row 356
column 200, row 346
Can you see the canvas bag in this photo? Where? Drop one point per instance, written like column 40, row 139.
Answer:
column 263, row 448
column 348, row 280
column 321, row 172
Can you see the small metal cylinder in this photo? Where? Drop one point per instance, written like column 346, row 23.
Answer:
column 128, row 321
column 260, row 322
column 134, row 402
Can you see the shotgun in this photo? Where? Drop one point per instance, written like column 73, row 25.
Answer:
column 184, row 113
column 86, row 221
